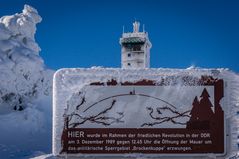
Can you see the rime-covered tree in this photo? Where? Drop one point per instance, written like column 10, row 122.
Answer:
column 24, row 76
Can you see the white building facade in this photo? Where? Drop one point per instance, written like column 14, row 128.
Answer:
column 135, row 48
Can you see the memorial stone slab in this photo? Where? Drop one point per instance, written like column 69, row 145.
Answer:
column 142, row 112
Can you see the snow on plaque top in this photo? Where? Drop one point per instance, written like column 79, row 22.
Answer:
column 166, row 111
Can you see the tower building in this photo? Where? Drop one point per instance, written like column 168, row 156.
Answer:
column 135, row 48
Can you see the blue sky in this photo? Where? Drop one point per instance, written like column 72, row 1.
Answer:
column 85, row 33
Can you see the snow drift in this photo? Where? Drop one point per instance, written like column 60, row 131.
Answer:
column 25, row 87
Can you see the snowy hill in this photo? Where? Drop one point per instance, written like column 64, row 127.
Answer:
column 25, row 88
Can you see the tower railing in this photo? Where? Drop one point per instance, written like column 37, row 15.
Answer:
column 139, row 34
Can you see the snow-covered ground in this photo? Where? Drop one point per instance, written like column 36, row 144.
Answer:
column 26, row 91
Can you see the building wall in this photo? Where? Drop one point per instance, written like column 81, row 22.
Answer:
column 136, row 59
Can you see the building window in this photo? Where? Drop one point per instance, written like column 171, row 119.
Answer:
column 129, row 64
column 129, row 55
column 137, row 47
